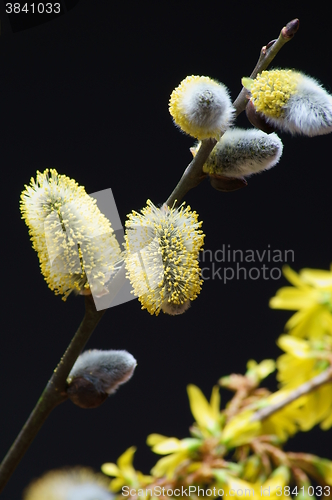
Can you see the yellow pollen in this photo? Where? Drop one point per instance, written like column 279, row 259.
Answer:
column 271, row 90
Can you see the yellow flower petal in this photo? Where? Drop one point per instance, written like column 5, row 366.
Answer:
column 240, row 429
column 110, row 469
column 260, row 370
column 314, row 322
column 200, row 408
column 116, row 484
column 154, row 439
column 317, row 277
column 125, row 461
column 215, row 402
column 293, row 277
column 143, row 479
column 170, row 445
column 167, row 465
column 295, row 346
column 235, row 485
column 324, row 467
column 326, row 424
column 292, row 299
column 276, row 482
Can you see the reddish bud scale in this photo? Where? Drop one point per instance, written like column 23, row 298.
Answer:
column 227, row 184
column 83, row 393
column 257, row 119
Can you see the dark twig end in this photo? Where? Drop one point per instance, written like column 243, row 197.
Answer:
column 290, row 29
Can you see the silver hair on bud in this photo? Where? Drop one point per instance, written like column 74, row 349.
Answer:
column 97, row 374
column 241, row 153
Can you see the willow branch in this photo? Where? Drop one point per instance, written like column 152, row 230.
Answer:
column 267, row 55
column 305, row 388
column 53, row 394
column 194, row 175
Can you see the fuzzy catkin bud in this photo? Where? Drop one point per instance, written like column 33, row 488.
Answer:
column 97, row 374
column 201, row 107
column 241, row 153
column 291, row 101
column 76, row 483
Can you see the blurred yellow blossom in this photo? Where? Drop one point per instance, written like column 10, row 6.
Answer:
column 324, row 468
column 258, row 371
column 179, row 450
column 238, row 488
column 124, row 472
column 284, row 422
column 311, row 297
column 302, row 361
column 207, row 414
column 240, row 429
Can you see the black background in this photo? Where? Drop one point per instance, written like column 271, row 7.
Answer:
column 87, row 93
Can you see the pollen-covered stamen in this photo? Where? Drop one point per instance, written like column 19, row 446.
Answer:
column 169, row 251
column 74, row 241
column 291, row 101
column 271, row 90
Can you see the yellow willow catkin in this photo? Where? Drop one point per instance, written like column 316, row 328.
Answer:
column 291, row 101
column 75, row 242
column 201, row 107
column 162, row 247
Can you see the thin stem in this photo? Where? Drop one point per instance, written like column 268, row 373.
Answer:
column 53, row 394
column 267, row 55
column 194, row 175
column 305, row 388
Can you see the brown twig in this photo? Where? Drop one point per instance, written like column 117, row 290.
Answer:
column 194, row 175
column 305, row 388
column 267, row 55
column 53, row 394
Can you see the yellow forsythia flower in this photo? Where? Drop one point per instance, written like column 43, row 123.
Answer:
column 201, row 107
column 207, row 414
column 285, row 422
column 240, row 429
column 124, row 472
column 311, row 297
column 162, row 257
column 259, row 371
column 75, row 243
column 273, row 487
column 303, row 360
column 177, row 450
